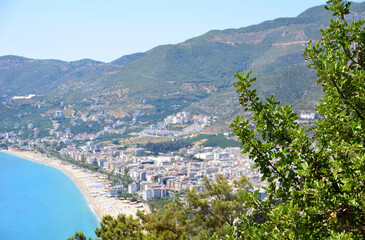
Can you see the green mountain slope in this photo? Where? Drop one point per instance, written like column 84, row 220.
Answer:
column 196, row 75
column 125, row 60
column 20, row 75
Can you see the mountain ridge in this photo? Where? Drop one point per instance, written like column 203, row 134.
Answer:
column 192, row 75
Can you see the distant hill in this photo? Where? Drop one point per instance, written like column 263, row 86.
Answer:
column 19, row 75
column 125, row 60
column 196, row 75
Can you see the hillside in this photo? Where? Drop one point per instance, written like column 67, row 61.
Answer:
column 19, row 75
column 196, row 75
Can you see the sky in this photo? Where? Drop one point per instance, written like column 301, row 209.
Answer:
column 105, row 30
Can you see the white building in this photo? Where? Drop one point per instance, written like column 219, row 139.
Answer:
column 308, row 116
column 132, row 188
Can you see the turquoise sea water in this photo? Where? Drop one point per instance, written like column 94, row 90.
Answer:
column 40, row 202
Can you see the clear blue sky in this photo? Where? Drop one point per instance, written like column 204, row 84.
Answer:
column 108, row 29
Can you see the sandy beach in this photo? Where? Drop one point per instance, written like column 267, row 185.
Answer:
column 93, row 186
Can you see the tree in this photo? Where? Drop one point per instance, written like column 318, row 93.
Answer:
column 171, row 224
column 78, row 236
column 215, row 209
column 205, row 213
column 122, row 227
column 316, row 176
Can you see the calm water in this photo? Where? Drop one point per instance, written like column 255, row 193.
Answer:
column 40, row 202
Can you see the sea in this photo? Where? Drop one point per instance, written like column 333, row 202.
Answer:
column 40, row 202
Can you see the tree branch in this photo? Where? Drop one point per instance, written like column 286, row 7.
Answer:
column 345, row 99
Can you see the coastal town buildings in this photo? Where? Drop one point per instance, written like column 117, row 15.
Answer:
column 152, row 175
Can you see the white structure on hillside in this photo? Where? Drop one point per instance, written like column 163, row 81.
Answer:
column 308, row 116
column 24, row 97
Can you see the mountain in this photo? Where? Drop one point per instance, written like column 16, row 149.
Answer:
column 195, row 75
column 19, row 75
column 125, row 60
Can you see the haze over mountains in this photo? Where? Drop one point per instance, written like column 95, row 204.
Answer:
column 196, row 75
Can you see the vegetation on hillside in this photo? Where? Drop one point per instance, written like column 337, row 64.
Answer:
column 170, row 78
column 207, row 140
column 316, row 184
column 321, row 191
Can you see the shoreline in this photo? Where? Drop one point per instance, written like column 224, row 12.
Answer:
column 92, row 185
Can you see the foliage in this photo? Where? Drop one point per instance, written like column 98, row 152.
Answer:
column 198, row 218
column 22, row 113
column 122, row 227
column 316, row 185
column 28, row 76
column 204, row 213
column 111, row 136
column 159, row 204
column 78, row 236
column 83, row 127
column 211, row 141
column 165, row 147
column 3, row 146
column 128, row 196
column 217, row 207
column 164, row 106
column 171, row 225
column 215, row 141
column 123, row 179
column 124, row 60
